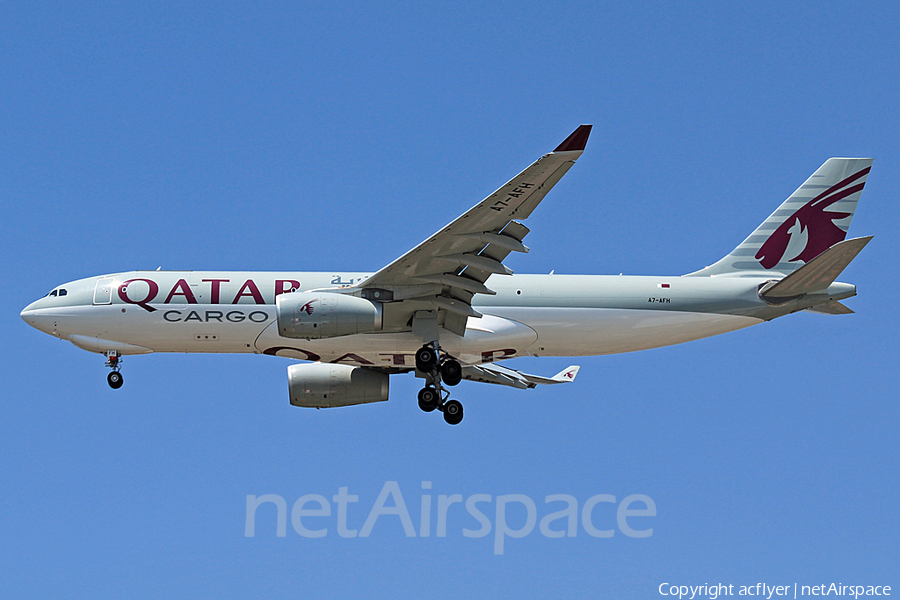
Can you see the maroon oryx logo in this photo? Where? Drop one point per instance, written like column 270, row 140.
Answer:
column 819, row 225
column 308, row 307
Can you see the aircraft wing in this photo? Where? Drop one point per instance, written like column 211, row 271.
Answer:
column 443, row 273
column 493, row 373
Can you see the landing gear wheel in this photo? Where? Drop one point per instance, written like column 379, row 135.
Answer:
column 426, row 359
column 115, row 380
column 453, row 412
column 451, row 372
column 428, row 398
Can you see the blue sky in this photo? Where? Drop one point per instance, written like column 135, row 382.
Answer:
column 279, row 136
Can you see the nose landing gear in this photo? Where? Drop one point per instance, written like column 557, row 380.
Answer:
column 114, row 379
column 439, row 371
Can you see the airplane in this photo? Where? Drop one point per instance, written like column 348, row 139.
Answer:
column 432, row 313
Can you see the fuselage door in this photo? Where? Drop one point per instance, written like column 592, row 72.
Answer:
column 103, row 291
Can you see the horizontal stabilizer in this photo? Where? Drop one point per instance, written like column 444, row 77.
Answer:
column 831, row 308
column 819, row 273
column 493, row 373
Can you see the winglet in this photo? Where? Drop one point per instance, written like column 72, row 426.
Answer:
column 577, row 141
column 567, row 375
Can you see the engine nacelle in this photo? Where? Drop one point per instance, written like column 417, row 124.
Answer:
column 319, row 315
column 324, row 385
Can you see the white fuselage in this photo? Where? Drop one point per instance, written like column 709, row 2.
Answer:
column 539, row 315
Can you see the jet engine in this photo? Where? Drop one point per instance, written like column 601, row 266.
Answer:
column 319, row 315
column 324, row 385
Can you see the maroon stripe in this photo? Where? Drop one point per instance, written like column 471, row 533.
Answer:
column 826, row 202
column 841, row 184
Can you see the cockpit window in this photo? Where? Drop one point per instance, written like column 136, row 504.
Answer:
column 53, row 293
column 63, row 292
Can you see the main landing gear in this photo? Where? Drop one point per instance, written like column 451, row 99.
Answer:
column 114, row 379
column 439, row 372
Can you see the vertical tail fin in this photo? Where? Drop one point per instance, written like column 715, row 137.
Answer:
column 811, row 220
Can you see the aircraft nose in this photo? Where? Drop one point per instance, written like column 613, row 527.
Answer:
column 27, row 315
column 42, row 322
